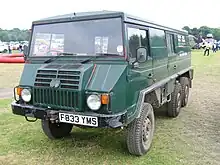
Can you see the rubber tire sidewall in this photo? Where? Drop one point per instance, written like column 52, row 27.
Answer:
column 184, row 81
column 173, row 104
column 53, row 132
column 135, row 134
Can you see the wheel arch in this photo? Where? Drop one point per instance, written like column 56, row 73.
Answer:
column 152, row 94
column 189, row 74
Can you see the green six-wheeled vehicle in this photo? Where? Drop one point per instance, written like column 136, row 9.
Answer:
column 103, row 69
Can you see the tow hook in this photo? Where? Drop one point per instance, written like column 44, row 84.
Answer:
column 30, row 115
column 33, row 120
column 53, row 116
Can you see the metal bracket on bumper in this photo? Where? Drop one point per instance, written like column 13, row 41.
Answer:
column 105, row 120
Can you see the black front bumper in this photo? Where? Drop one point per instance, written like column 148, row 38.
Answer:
column 104, row 120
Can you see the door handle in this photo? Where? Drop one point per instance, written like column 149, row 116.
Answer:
column 150, row 75
column 174, row 67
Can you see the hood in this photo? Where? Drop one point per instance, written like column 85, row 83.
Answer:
column 104, row 77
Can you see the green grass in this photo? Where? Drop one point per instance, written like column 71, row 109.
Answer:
column 188, row 139
column 26, row 143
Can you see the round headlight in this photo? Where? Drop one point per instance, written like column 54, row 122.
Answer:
column 94, row 102
column 26, row 95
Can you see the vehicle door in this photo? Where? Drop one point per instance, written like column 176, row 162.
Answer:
column 140, row 71
column 158, row 49
column 172, row 58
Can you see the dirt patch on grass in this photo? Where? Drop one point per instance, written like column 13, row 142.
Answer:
column 6, row 93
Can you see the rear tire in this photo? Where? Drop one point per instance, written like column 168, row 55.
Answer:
column 140, row 131
column 184, row 81
column 56, row 130
column 174, row 106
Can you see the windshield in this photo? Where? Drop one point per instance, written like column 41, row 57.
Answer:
column 81, row 38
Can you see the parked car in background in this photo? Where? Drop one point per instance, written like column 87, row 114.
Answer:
column 3, row 48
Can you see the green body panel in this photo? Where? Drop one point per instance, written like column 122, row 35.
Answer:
column 111, row 79
column 28, row 75
column 172, row 62
column 106, row 77
column 138, row 79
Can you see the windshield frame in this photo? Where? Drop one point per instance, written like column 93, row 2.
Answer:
column 30, row 46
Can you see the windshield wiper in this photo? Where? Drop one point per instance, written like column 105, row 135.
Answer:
column 89, row 59
column 67, row 53
column 108, row 54
column 52, row 59
column 58, row 55
column 99, row 55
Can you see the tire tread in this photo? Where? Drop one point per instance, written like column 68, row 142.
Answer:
column 172, row 105
column 134, row 138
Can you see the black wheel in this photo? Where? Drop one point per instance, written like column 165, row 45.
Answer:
column 56, row 130
column 184, row 81
column 174, row 106
column 140, row 131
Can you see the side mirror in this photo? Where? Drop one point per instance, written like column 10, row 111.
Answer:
column 141, row 54
column 25, row 51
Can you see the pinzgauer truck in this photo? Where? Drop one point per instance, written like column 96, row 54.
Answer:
column 103, row 69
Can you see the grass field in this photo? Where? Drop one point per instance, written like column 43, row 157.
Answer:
column 190, row 139
column 10, row 74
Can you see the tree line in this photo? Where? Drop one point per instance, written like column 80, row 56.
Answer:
column 203, row 31
column 15, row 34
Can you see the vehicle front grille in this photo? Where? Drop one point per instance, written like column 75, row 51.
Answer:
column 56, row 98
column 68, row 79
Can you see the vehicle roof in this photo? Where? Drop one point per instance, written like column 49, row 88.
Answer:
column 105, row 14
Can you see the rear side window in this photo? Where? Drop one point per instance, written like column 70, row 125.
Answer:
column 157, row 38
column 158, row 44
column 170, row 44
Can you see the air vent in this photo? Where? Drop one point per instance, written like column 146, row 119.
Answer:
column 68, row 79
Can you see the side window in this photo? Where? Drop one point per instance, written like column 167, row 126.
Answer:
column 157, row 38
column 134, row 41
column 158, row 44
column 137, row 38
column 144, row 38
column 170, row 44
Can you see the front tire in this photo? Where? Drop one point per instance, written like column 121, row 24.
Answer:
column 56, row 130
column 140, row 131
column 174, row 106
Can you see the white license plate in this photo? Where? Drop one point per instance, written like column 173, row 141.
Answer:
column 78, row 119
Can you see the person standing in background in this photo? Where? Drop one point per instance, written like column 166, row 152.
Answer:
column 9, row 49
column 208, row 46
column 214, row 48
column 20, row 48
